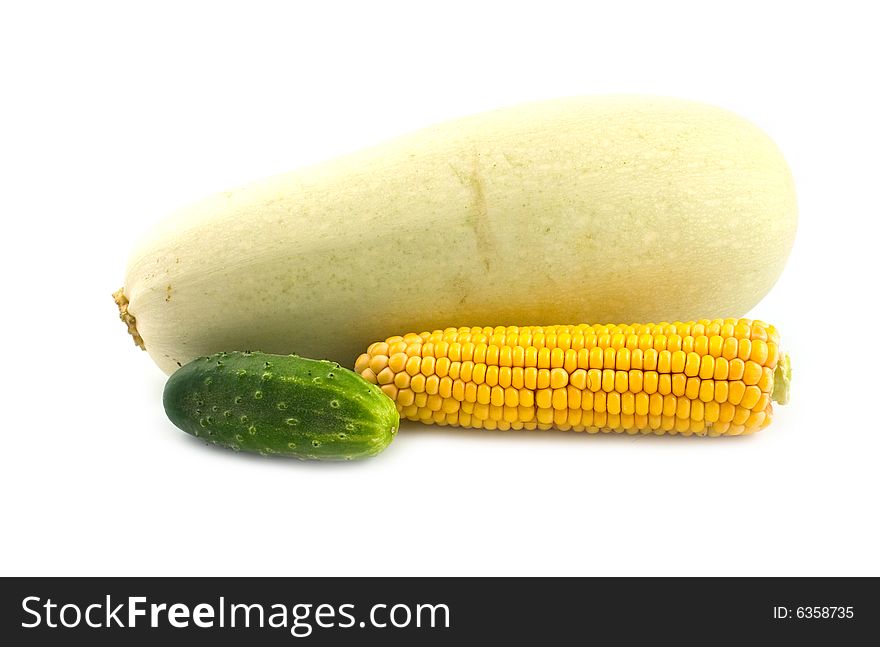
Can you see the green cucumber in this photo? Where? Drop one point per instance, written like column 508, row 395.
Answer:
column 281, row 404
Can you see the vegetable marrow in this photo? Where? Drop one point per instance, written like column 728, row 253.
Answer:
column 594, row 209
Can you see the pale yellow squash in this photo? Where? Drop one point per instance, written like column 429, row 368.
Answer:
column 603, row 209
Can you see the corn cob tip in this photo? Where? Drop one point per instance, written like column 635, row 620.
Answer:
column 782, row 379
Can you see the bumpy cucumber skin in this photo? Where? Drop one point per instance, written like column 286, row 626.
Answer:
column 281, row 404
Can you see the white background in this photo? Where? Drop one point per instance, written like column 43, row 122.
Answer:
column 113, row 115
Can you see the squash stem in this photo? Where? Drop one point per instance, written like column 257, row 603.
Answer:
column 127, row 318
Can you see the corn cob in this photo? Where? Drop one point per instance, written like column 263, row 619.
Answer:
column 702, row 377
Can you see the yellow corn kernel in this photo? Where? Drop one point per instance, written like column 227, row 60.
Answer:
column 679, row 361
column 544, row 416
column 707, row 367
column 574, row 397
column 516, row 377
column 760, row 352
column 711, row 412
column 569, row 364
column 688, row 363
column 635, row 380
column 609, row 357
column 664, row 361
column 651, row 381
column 655, row 407
column 720, row 428
column 544, row 358
column 762, row 403
column 599, row 402
column 692, row 388
column 559, row 399
column 716, row 343
column 772, row 354
column 669, row 405
column 578, row 379
column 417, row 383
column 697, row 409
column 544, row 398
column 496, row 412
column 441, row 367
column 635, row 358
column 664, row 384
column 608, row 380
column 558, row 378
column 721, row 369
column 722, row 391
column 766, row 381
column 679, row 382
column 683, row 408
column 745, row 349
column 458, row 387
column 432, row 384
column 726, row 412
column 736, row 391
column 612, row 403
column 736, row 369
column 729, row 349
column 396, row 362
column 740, row 416
column 491, row 377
column 752, row 373
column 413, row 365
column 401, row 380
column 756, row 419
column 750, row 397
column 707, row 390
column 543, row 381
column 627, row 403
column 650, row 358
column 587, row 400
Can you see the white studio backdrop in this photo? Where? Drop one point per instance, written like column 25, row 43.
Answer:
column 113, row 114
